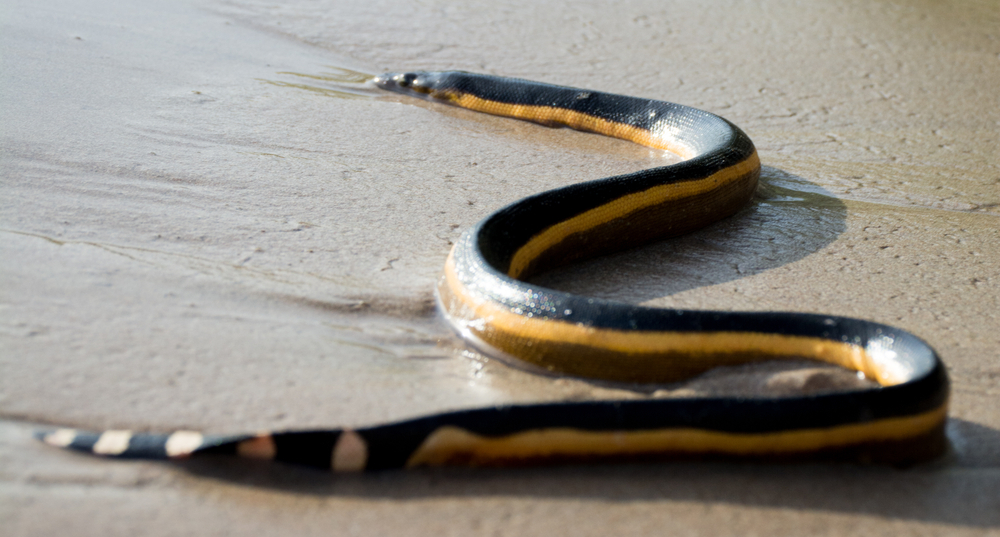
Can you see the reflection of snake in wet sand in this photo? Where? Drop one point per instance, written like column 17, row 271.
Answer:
column 485, row 297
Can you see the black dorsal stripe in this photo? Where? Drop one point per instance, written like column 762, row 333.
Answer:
column 310, row 448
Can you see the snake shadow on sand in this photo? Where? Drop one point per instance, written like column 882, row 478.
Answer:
column 789, row 219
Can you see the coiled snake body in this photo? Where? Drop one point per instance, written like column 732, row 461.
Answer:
column 485, row 297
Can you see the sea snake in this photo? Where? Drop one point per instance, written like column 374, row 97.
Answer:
column 486, row 296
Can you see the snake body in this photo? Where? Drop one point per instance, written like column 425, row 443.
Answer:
column 486, row 297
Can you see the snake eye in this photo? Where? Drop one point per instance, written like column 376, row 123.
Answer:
column 405, row 80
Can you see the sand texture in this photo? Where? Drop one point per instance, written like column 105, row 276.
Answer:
column 209, row 221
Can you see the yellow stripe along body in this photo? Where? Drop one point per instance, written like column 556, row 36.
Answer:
column 485, row 297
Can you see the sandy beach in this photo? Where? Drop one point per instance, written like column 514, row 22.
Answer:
column 210, row 221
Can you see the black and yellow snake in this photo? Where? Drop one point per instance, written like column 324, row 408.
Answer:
column 486, row 298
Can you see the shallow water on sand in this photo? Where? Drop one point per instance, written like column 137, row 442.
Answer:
column 209, row 220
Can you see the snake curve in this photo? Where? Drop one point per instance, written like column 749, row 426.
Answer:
column 485, row 296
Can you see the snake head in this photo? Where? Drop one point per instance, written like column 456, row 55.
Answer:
column 418, row 84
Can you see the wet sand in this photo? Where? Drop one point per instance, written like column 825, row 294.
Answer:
column 209, row 222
